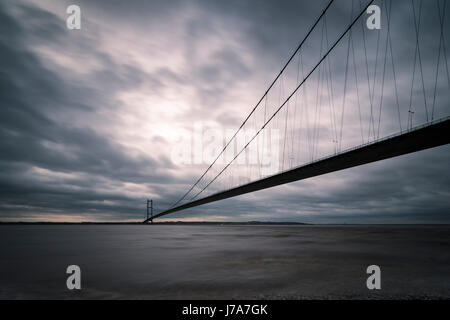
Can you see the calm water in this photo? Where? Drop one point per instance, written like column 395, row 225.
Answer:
column 213, row 262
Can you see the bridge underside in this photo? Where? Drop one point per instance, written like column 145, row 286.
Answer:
column 417, row 139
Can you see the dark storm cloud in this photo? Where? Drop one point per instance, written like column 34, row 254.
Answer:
column 55, row 159
column 412, row 188
column 30, row 138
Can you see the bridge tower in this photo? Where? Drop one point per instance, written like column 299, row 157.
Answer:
column 150, row 210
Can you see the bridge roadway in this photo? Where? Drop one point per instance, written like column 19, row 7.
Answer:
column 428, row 136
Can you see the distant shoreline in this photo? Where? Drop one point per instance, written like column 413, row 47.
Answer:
column 160, row 223
column 248, row 223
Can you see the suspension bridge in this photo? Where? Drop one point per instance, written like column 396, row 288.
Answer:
column 347, row 96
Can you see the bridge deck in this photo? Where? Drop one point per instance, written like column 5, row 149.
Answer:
column 420, row 138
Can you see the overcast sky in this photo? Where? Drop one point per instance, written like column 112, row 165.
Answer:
column 89, row 118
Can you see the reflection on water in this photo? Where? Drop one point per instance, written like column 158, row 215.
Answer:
column 163, row 262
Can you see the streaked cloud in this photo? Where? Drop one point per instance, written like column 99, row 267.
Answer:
column 88, row 117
